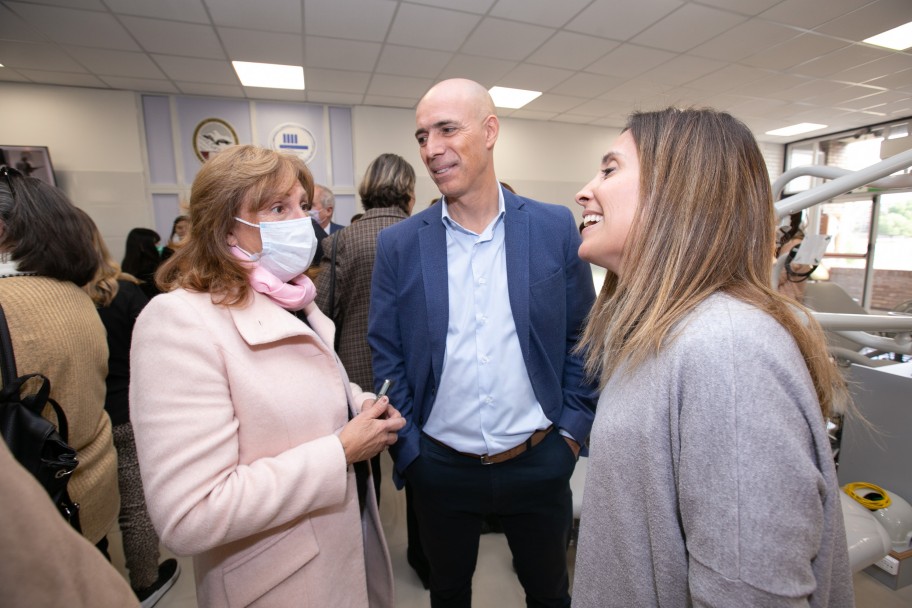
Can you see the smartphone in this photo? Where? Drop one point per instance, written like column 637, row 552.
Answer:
column 383, row 389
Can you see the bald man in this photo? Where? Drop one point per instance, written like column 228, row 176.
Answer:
column 476, row 306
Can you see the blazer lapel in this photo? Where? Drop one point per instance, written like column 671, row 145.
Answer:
column 516, row 242
column 433, row 255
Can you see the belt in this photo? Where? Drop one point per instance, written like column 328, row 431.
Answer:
column 533, row 440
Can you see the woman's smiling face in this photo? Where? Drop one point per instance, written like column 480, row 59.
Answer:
column 609, row 204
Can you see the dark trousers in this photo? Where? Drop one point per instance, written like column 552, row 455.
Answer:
column 530, row 494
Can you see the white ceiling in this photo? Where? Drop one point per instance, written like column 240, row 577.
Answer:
column 772, row 63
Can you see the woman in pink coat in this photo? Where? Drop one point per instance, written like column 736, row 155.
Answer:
column 251, row 440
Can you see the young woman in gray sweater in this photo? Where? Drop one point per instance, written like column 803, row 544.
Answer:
column 711, row 480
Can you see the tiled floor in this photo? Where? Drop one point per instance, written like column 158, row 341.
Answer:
column 495, row 583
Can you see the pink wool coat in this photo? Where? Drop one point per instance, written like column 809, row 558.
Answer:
column 236, row 413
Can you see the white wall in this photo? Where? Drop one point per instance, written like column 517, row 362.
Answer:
column 95, row 145
column 544, row 161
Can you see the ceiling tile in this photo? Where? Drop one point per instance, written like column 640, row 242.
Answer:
column 550, row 102
column 336, row 81
column 366, row 20
column 899, row 80
column 29, row 56
column 810, row 13
column 571, row 51
column 213, row 90
column 349, row 99
column 888, row 66
column 275, row 94
column 540, row 12
column 629, row 60
column 488, row 72
column 399, row 86
column 745, row 7
column 573, row 118
column 688, row 27
column 423, row 26
column 534, row 77
column 772, row 83
column 532, row 114
column 14, row 28
column 832, row 64
column 269, row 15
column 599, row 108
column 869, row 20
column 841, row 98
column 730, row 77
column 681, row 69
column 794, row 51
column 636, row 91
column 744, row 39
column 104, row 62
column 809, row 89
column 186, row 69
column 63, row 78
column 173, row 10
column 406, row 61
column 393, row 102
column 471, row 6
column 69, row 26
column 505, row 39
column 756, row 107
column 586, row 85
column 173, row 38
column 89, row 5
column 11, row 75
column 620, row 19
column 247, row 45
column 340, row 54
column 146, row 85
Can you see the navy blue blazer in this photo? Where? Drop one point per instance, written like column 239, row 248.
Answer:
column 550, row 291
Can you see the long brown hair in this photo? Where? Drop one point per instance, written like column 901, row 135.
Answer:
column 705, row 223
column 239, row 175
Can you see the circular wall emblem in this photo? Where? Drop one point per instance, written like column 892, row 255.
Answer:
column 211, row 136
column 294, row 139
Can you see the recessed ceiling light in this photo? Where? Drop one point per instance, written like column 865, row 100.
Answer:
column 269, row 75
column 511, row 98
column 898, row 39
column 804, row 127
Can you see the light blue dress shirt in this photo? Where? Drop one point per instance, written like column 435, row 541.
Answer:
column 485, row 403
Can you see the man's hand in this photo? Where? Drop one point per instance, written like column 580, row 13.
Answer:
column 573, row 446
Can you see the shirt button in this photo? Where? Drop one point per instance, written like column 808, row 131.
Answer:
column 482, row 281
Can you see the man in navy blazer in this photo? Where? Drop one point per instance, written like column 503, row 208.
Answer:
column 476, row 307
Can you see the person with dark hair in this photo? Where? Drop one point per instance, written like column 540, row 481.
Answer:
column 711, row 479
column 119, row 300
column 180, row 230
column 46, row 255
column 387, row 194
column 142, row 258
column 251, row 439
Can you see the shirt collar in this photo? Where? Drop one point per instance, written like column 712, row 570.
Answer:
column 448, row 221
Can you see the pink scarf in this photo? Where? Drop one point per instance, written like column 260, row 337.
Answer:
column 291, row 296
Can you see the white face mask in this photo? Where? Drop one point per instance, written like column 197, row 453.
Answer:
column 289, row 246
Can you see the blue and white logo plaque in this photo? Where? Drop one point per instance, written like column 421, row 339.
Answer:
column 294, row 139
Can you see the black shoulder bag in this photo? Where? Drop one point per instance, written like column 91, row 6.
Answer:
column 35, row 442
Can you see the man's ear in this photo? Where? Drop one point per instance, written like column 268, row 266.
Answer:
column 492, row 129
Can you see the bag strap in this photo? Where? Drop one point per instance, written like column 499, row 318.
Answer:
column 7, row 359
column 12, row 382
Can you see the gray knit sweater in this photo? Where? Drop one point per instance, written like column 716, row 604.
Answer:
column 711, row 479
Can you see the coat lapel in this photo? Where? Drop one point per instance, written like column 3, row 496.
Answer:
column 516, row 242
column 433, row 254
